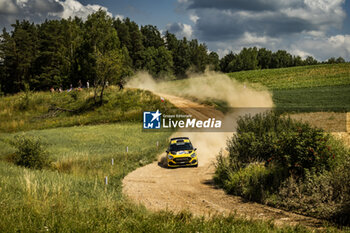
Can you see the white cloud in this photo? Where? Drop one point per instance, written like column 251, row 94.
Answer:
column 180, row 30
column 187, row 30
column 315, row 33
column 253, row 39
column 302, row 27
column 246, row 40
column 223, row 52
column 323, row 47
column 320, row 48
column 121, row 17
column 39, row 10
column 72, row 8
column 32, row 10
column 194, row 18
column 298, row 52
column 8, row 7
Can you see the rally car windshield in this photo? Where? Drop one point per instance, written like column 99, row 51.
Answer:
column 181, row 146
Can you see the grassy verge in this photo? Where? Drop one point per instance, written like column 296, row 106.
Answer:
column 72, row 196
column 324, row 87
column 42, row 110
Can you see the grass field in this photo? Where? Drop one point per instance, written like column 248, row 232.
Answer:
column 72, row 196
column 314, row 88
column 42, row 110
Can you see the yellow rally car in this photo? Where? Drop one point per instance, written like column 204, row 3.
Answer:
column 181, row 153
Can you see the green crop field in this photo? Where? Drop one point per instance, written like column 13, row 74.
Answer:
column 321, row 87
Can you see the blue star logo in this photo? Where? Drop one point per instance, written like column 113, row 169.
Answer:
column 151, row 120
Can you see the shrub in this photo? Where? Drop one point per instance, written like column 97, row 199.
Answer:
column 251, row 181
column 24, row 102
column 74, row 94
column 30, row 152
column 325, row 195
column 293, row 145
column 254, row 182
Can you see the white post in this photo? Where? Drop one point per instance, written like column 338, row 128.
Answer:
column 157, row 144
column 112, row 161
column 127, row 149
column 106, row 180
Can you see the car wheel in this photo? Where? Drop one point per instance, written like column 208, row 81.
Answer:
column 166, row 164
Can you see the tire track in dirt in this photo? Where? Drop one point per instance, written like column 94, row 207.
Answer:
column 192, row 189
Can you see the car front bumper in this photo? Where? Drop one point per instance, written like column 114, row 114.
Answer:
column 182, row 162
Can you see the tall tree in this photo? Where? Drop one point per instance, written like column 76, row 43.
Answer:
column 225, row 61
column 264, row 58
column 19, row 52
column 100, row 33
column 73, row 39
column 281, row 59
column 182, row 58
column 131, row 37
column 100, row 38
column 151, row 36
column 111, row 67
column 236, row 64
column 123, row 33
column 9, row 63
column 158, row 62
column 214, row 61
column 171, row 42
column 340, row 60
column 198, row 56
column 297, row 61
column 52, row 66
column 310, row 61
column 249, row 58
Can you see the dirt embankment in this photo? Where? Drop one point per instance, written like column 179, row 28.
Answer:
column 192, row 189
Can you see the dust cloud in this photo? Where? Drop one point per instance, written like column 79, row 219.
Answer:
column 210, row 85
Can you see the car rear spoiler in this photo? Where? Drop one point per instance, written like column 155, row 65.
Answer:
column 179, row 138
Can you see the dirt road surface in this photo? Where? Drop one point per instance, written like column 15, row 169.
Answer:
column 192, row 189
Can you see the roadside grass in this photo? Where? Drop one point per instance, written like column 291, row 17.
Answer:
column 88, row 150
column 41, row 110
column 307, row 88
column 43, row 201
column 72, row 196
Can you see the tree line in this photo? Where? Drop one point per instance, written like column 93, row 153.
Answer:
column 71, row 52
column 254, row 58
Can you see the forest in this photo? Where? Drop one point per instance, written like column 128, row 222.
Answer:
column 104, row 50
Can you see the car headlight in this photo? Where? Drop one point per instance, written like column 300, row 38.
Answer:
column 193, row 155
column 170, row 157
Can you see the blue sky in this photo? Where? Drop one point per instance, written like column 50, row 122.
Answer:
column 347, row 20
column 320, row 28
column 155, row 12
